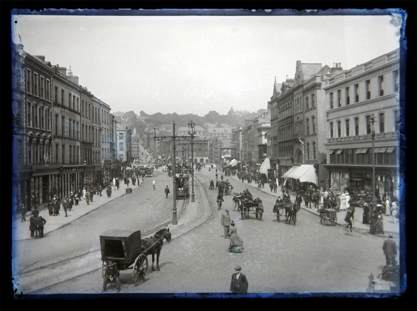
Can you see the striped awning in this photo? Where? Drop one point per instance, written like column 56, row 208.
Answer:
column 363, row 150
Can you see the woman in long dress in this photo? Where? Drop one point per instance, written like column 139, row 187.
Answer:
column 236, row 243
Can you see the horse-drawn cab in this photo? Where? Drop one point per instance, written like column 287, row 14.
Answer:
column 182, row 186
column 247, row 205
column 122, row 250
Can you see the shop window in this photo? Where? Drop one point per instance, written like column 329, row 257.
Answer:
column 339, row 98
column 356, row 88
column 331, row 100
column 381, row 85
column 368, row 89
column 347, row 96
column 396, row 81
column 382, row 122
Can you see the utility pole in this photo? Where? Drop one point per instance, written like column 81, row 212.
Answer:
column 192, row 133
column 173, row 138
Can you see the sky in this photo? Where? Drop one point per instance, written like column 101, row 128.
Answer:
column 194, row 64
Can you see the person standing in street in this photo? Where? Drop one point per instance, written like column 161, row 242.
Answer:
column 166, row 191
column 349, row 218
column 226, row 221
column 65, row 205
column 154, row 184
column 239, row 283
column 22, row 212
column 390, row 250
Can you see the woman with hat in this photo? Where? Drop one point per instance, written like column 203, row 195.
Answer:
column 236, row 243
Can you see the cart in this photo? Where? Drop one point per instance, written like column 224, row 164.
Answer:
column 122, row 250
column 328, row 216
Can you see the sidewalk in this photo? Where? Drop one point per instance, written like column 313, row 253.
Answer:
column 21, row 229
column 391, row 225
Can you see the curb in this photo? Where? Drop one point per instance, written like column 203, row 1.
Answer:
column 354, row 228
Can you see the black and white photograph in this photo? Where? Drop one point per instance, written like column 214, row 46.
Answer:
column 207, row 153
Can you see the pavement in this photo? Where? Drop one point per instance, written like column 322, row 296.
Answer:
column 390, row 223
column 21, row 229
column 305, row 258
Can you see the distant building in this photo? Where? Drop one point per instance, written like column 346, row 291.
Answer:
column 135, row 145
column 237, row 143
column 124, row 140
column 354, row 96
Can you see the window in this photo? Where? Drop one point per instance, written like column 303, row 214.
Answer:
column 368, row 89
column 308, row 151
column 63, row 154
column 73, row 102
column 313, row 101
column 307, row 103
column 308, row 126
column 62, row 96
column 41, row 87
column 356, row 126
column 120, row 135
column 380, row 85
column 69, row 100
column 396, row 80
column 121, row 146
column 70, row 154
column 62, row 126
column 69, row 128
column 331, row 129
column 314, row 150
column 28, row 79
column 313, row 124
column 41, row 117
column 396, row 120
column 356, row 87
column 339, row 129
column 28, row 119
column 35, row 84
column 347, row 96
column 339, row 98
column 347, row 127
column 56, row 152
column 47, row 89
column 56, row 94
column 35, row 115
column 382, row 122
column 368, row 125
column 56, row 124
column 78, row 104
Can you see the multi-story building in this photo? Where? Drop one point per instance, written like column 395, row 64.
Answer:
column 254, row 137
column 135, row 145
column 354, row 97
column 113, row 137
column 86, row 139
column 237, row 143
column 124, row 140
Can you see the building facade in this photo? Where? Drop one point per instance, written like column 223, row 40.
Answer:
column 124, row 144
column 237, row 143
column 355, row 97
column 135, row 145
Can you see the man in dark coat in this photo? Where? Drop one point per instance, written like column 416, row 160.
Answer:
column 390, row 250
column 166, row 191
column 239, row 283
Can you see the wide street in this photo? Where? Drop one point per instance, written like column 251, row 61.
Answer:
column 142, row 209
column 278, row 257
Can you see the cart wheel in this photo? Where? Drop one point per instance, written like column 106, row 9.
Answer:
column 139, row 269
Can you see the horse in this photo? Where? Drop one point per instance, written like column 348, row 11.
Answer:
column 315, row 199
column 291, row 213
column 154, row 244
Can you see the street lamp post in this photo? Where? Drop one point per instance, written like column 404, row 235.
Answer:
column 192, row 133
column 84, row 167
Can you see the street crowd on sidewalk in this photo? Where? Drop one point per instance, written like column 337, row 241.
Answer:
column 38, row 217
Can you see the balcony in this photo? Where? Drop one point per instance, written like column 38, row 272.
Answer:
column 362, row 138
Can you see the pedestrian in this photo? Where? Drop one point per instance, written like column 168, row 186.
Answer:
column 91, row 195
column 349, row 218
column 225, row 222
column 117, row 183
column 219, row 200
column 76, row 199
column 236, row 243
column 365, row 215
column 70, row 201
column 127, row 181
column 87, row 197
column 388, row 211
column 166, row 191
column 239, row 283
column 154, row 184
column 50, row 206
column 22, row 212
column 65, row 205
column 390, row 250
column 57, row 206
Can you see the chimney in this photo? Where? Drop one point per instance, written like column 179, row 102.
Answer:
column 62, row 70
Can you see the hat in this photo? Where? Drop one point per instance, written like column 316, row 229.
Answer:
column 238, row 268
column 390, row 235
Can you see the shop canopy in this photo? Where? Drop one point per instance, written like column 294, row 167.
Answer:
column 304, row 173
column 266, row 165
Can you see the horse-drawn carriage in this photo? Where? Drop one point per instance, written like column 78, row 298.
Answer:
column 246, row 204
column 285, row 208
column 124, row 249
column 182, row 187
column 328, row 216
column 226, row 187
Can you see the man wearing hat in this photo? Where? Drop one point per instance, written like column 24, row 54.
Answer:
column 390, row 250
column 239, row 283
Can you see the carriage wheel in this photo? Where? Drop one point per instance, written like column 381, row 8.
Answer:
column 139, row 269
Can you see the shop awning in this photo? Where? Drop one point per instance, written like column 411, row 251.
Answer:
column 266, row 165
column 332, row 151
column 390, row 149
column 288, row 174
column 233, row 163
column 363, row 150
column 339, row 151
column 379, row 150
column 306, row 173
